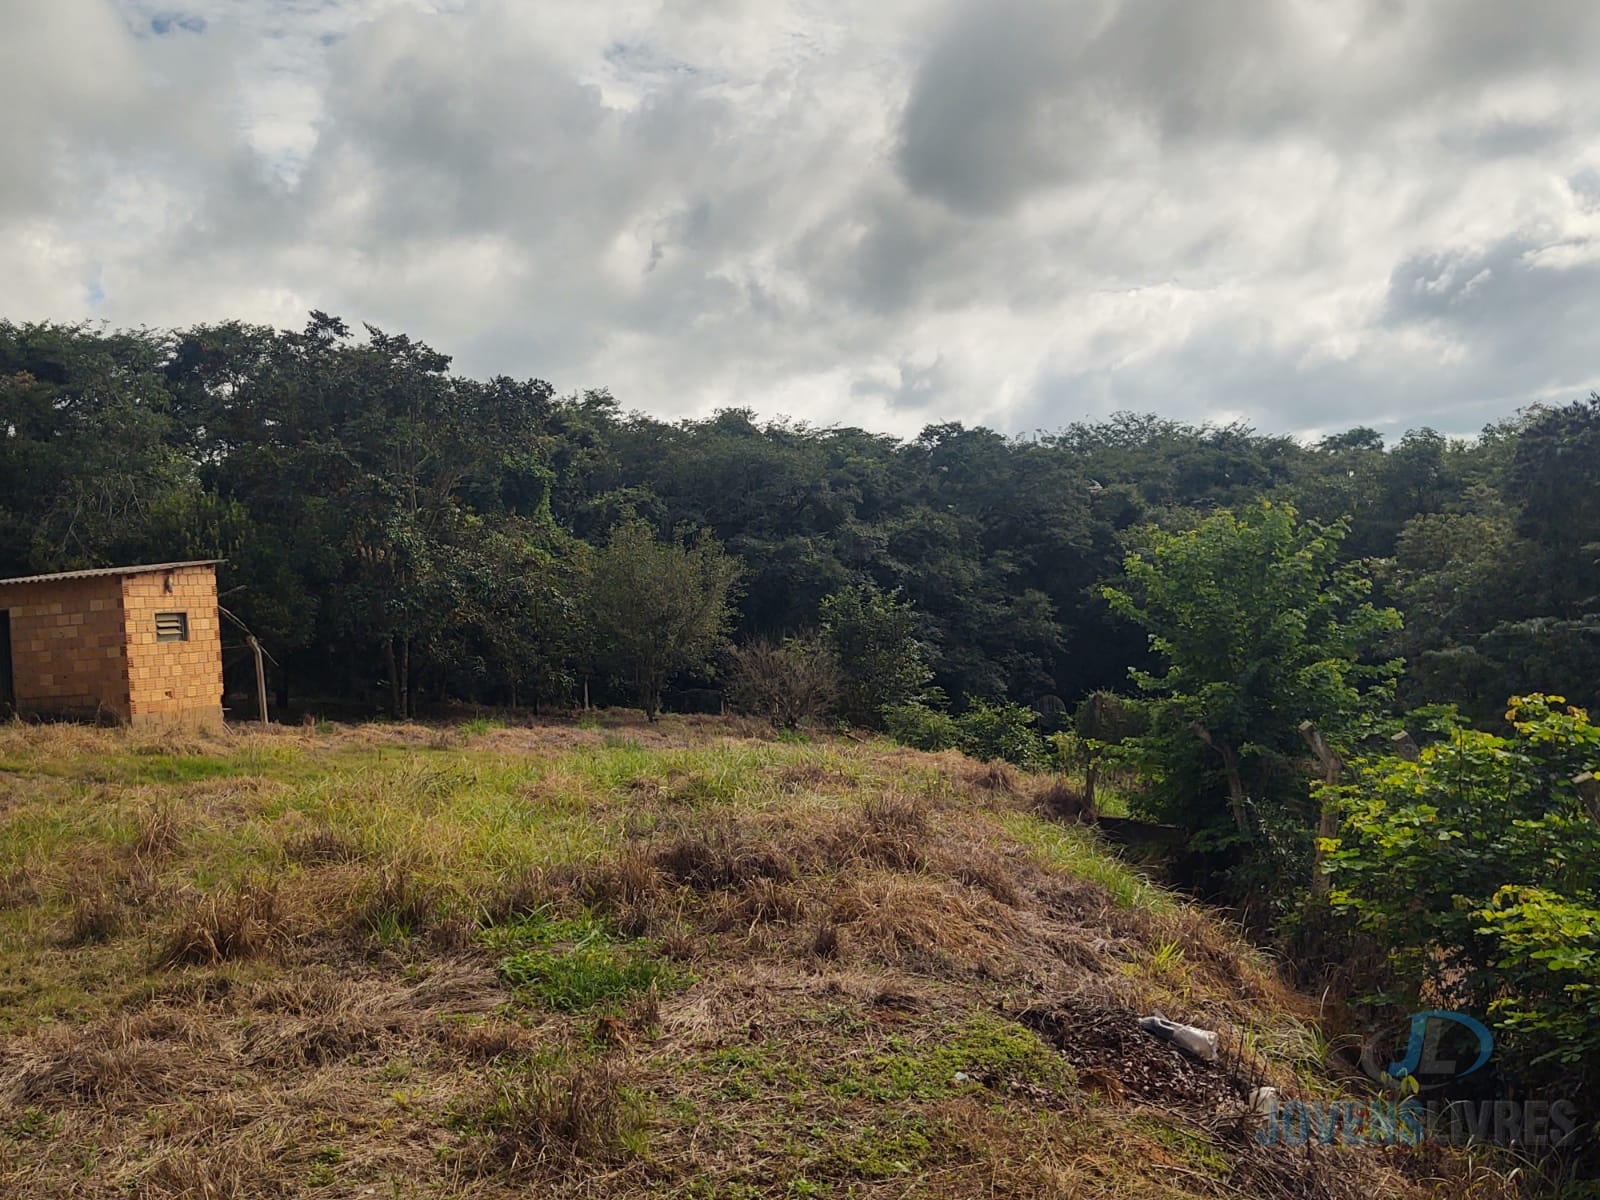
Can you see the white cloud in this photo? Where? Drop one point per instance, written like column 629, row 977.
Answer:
column 1020, row 212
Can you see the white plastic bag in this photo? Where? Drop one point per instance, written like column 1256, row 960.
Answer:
column 1202, row 1043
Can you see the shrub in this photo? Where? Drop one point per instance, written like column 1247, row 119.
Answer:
column 921, row 726
column 1478, row 864
column 790, row 683
column 1005, row 731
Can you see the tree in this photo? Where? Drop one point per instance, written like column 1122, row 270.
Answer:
column 872, row 634
column 791, row 683
column 661, row 608
column 1258, row 627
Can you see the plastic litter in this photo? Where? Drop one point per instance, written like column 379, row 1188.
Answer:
column 1263, row 1099
column 1202, row 1043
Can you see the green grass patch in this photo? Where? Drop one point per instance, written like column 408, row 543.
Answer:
column 573, row 964
column 1191, row 1149
column 577, row 980
column 985, row 1048
column 1078, row 852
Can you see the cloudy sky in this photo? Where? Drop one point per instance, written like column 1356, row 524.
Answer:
column 1308, row 214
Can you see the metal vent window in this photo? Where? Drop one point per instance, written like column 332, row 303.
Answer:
column 172, row 627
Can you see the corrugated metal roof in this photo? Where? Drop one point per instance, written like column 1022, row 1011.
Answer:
column 96, row 572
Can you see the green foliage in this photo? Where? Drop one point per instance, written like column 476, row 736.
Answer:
column 922, row 726
column 1479, row 864
column 983, row 1047
column 1004, row 731
column 662, row 608
column 873, row 638
column 1258, row 626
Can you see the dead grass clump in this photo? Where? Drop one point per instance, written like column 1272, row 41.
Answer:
column 631, row 879
column 489, row 1041
column 158, row 831
column 987, row 872
column 225, row 1151
column 526, row 891
column 97, row 916
column 19, row 888
column 323, row 846
column 760, row 902
column 810, row 777
column 582, row 1111
column 722, row 856
column 1063, row 802
column 893, row 832
column 987, row 780
column 129, row 1062
column 896, row 918
column 314, row 1019
column 397, row 901
column 825, row 941
column 233, row 923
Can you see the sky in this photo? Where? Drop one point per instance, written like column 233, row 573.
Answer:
column 1306, row 215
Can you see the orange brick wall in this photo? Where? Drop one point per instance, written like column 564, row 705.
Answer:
column 173, row 680
column 67, row 646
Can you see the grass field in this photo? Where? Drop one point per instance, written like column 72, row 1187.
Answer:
column 608, row 959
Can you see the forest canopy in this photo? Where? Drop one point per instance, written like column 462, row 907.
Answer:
column 396, row 533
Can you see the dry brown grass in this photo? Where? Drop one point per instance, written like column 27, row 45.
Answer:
column 553, row 1116
column 158, row 830
column 1061, row 800
column 226, row 924
column 845, row 922
column 323, row 846
column 97, row 916
column 899, row 919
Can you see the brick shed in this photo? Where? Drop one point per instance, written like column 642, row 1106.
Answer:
column 139, row 644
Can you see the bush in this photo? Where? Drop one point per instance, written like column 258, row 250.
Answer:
column 1478, row 864
column 792, row 683
column 921, row 726
column 1005, row 731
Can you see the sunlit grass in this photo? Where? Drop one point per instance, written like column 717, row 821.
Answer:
column 1079, row 852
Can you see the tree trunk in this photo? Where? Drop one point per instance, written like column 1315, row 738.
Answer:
column 1235, row 787
column 394, row 678
column 1090, row 773
column 408, row 689
column 1230, row 765
column 1327, row 815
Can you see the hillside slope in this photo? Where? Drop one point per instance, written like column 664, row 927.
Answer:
column 611, row 960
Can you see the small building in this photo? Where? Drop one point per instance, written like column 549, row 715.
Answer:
column 141, row 645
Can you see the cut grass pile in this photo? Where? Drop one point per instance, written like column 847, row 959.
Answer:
column 609, row 959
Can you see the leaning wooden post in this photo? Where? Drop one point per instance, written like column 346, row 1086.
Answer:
column 1332, row 768
column 261, row 677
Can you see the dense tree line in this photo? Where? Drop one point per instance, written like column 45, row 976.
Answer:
column 396, row 532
